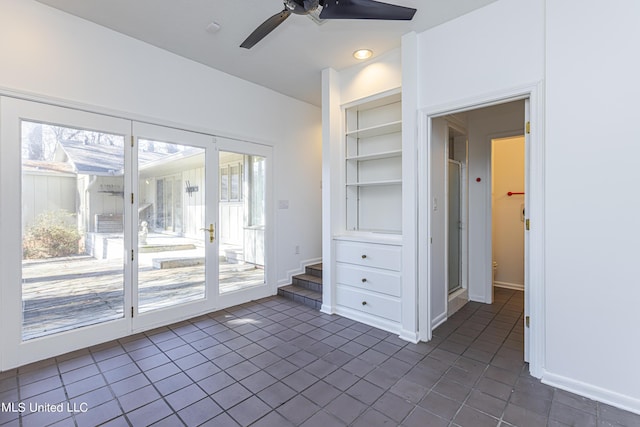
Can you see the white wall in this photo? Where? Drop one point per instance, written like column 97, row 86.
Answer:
column 592, row 292
column 498, row 46
column 51, row 54
column 377, row 75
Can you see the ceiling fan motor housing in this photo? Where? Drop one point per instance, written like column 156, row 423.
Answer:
column 301, row 7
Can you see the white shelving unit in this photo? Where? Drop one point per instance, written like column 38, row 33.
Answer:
column 373, row 165
column 367, row 247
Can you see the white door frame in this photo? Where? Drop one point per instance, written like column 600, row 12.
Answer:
column 534, row 262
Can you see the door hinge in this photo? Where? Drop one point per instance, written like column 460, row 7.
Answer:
column 131, row 198
column 526, row 224
column 526, row 321
column 528, row 127
column 132, row 140
column 131, row 311
column 131, row 254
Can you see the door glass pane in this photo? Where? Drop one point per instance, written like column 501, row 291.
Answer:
column 455, row 235
column 242, row 222
column 72, row 228
column 171, row 215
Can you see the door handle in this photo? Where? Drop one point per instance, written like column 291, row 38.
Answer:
column 212, row 232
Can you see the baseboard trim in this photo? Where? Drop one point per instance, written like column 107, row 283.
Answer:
column 507, row 285
column 439, row 320
column 327, row 309
column 609, row 397
column 376, row 322
column 410, row 336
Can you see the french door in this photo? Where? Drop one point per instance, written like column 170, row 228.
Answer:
column 174, row 180
column 243, row 221
column 111, row 226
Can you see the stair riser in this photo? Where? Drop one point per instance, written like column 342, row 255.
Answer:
column 307, row 285
column 300, row 299
column 313, row 272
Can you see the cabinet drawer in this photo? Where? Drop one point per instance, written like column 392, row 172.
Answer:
column 369, row 255
column 366, row 302
column 370, row 279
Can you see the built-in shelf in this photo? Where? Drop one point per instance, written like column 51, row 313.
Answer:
column 376, row 156
column 375, row 183
column 378, row 130
column 373, row 165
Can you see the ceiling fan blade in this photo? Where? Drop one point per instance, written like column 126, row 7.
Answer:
column 265, row 28
column 365, row 9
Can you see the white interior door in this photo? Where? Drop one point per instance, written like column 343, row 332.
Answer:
column 527, row 251
column 174, row 205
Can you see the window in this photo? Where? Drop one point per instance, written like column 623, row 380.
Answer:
column 231, row 182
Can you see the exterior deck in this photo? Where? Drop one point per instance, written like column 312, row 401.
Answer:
column 66, row 293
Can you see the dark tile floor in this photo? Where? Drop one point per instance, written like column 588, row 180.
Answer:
column 277, row 363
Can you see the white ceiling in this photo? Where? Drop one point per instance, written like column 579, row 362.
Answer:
column 289, row 60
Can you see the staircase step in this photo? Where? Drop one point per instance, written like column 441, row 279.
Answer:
column 166, row 248
column 314, row 270
column 302, row 295
column 163, row 263
column 308, row 281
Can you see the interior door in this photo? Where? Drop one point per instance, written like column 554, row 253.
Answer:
column 527, row 193
column 244, row 221
column 174, row 229
column 65, row 277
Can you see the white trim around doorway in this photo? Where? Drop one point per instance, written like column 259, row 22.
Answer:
column 536, row 285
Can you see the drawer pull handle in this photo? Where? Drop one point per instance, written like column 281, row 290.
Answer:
column 364, row 279
column 364, row 256
column 364, row 303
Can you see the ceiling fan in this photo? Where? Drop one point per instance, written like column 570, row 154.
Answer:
column 331, row 9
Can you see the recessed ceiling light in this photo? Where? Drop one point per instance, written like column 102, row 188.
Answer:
column 363, row 54
column 213, row 27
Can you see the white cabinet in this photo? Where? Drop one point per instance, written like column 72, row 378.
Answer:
column 363, row 247
column 368, row 282
column 367, row 250
column 373, row 165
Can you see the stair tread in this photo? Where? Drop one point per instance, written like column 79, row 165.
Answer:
column 309, row 278
column 302, row 291
column 315, row 266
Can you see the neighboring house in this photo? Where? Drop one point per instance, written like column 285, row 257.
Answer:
column 47, row 186
column 87, row 181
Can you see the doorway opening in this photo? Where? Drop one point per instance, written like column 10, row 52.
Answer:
column 462, row 177
column 508, row 211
